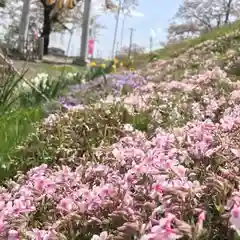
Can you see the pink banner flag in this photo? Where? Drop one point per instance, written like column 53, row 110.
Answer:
column 90, row 46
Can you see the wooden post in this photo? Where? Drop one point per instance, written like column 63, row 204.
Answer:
column 40, row 48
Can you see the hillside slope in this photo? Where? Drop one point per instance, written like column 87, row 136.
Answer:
column 153, row 156
column 218, row 48
column 175, row 50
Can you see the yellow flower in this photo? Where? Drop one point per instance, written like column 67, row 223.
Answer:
column 103, row 65
column 131, row 69
column 60, row 4
column 114, row 68
column 93, row 64
column 121, row 64
column 115, row 60
column 70, row 4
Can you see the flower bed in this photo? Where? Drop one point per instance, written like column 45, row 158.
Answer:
column 144, row 160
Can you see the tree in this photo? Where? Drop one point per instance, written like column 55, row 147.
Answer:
column 135, row 50
column 197, row 16
column 45, row 17
column 179, row 32
column 53, row 11
column 49, row 16
column 228, row 9
column 2, row 3
column 60, row 12
column 12, row 15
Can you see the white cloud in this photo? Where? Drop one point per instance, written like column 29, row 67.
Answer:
column 136, row 13
column 152, row 33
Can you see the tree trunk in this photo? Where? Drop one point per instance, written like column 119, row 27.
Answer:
column 46, row 29
column 228, row 11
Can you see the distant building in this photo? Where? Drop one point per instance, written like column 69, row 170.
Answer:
column 56, row 51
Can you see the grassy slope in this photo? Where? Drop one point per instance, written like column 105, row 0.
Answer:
column 175, row 50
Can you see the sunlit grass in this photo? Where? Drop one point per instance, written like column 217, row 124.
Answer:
column 14, row 128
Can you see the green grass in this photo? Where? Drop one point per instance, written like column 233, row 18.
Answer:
column 60, row 68
column 51, row 69
column 174, row 50
column 18, row 120
column 14, row 129
column 15, row 126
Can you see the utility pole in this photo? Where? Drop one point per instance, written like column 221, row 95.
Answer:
column 116, row 27
column 116, row 52
column 24, row 23
column 82, row 60
column 122, row 31
column 151, row 44
column 130, row 42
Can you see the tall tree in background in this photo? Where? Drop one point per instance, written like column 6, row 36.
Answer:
column 53, row 10
column 49, row 16
column 197, row 16
column 43, row 18
column 135, row 49
column 228, row 9
column 61, row 12
column 2, row 3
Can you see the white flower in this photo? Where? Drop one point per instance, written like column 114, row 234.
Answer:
column 235, row 218
column 102, row 236
column 128, row 127
column 40, row 78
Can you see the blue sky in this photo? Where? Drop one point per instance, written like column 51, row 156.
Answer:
column 157, row 14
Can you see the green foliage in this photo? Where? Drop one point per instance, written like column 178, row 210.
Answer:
column 97, row 71
column 66, row 68
column 49, row 88
column 8, row 86
column 141, row 121
column 21, row 109
column 14, row 128
column 79, row 132
column 93, row 72
column 76, row 133
column 2, row 3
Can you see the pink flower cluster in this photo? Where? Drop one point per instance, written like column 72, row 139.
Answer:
column 157, row 187
column 146, row 187
column 139, row 189
column 136, row 178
